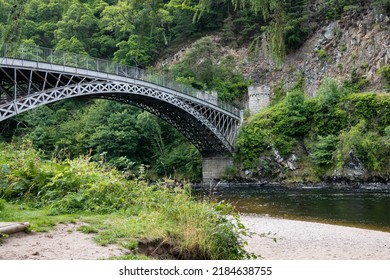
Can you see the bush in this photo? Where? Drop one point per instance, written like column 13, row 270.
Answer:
column 2, row 204
column 278, row 126
column 328, row 94
column 323, row 150
column 333, row 9
column 334, row 122
column 326, row 116
column 203, row 68
column 385, row 73
column 371, row 107
column 197, row 229
column 366, row 145
column 322, row 54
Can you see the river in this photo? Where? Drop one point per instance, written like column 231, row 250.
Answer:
column 362, row 207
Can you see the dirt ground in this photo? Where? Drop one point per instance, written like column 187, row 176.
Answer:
column 64, row 242
column 295, row 240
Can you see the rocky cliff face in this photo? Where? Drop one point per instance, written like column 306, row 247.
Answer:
column 358, row 42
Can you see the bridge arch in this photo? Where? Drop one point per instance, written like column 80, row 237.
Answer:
column 32, row 81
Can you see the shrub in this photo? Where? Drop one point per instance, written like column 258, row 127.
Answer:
column 328, row 94
column 2, row 204
column 197, row 229
column 322, row 54
column 323, row 150
column 366, row 145
column 385, row 73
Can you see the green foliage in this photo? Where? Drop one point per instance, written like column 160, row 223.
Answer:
column 385, row 73
column 325, row 114
column 297, row 25
column 88, row 229
column 322, row 54
column 279, row 93
column 2, row 204
column 333, row 9
column 71, row 45
column 11, row 17
column 323, row 150
column 286, row 22
column 278, row 126
column 371, row 107
column 368, row 147
column 241, row 27
column 384, row 4
column 179, row 162
column 387, row 132
column 136, row 51
column 198, row 229
column 334, row 126
column 111, row 133
column 329, row 94
column 356, row 82
column 203, row 68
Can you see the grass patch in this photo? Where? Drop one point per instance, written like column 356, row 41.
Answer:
column 130, row 257
column 39, row 219
column 116, row 209
column 88, row 229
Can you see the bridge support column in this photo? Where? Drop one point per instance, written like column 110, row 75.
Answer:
column 214, row 167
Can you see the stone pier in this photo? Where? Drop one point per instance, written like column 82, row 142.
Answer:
column 214, row 167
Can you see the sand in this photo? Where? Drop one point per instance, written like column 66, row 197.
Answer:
column 299, row 240
column 296, row 240
column 64, row 242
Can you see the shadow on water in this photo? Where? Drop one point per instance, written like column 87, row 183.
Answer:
column 363, row 208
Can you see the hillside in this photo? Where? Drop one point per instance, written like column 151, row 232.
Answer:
column 328, row 115
column 250, row 55
column 354, row 47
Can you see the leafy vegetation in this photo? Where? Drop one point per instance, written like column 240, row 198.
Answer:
column 327, row 132
column 130, row 210
column 137, row 33
column 385, row 73
column 202, row 67
column 114, row 133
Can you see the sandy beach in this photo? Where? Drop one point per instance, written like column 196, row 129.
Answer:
column 295, row 240
column 64, row 242
column 299, row 240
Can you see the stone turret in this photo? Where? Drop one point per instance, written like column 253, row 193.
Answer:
column 259, row 98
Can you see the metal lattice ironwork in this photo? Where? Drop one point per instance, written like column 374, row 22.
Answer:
column 36, row 76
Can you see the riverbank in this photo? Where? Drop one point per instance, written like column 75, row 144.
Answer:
column 295, row 240
column 299, row 240
column 253, row 185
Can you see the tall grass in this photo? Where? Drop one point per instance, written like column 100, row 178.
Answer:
column 130, row 210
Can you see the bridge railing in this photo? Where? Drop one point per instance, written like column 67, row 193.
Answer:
column 41, row 54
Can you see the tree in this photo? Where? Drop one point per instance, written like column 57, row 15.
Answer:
column 204, row 68
column 268, row 8
column 140, row 27
column 284, row 19
column 14, row 13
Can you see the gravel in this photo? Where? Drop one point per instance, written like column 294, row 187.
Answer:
column 299, row 240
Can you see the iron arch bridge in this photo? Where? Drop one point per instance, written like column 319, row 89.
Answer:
column 32, row 76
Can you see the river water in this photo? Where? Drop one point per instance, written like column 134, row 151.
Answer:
column 365, row 208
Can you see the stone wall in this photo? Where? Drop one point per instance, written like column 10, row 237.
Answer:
column 258, row 98
column 214, row 168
